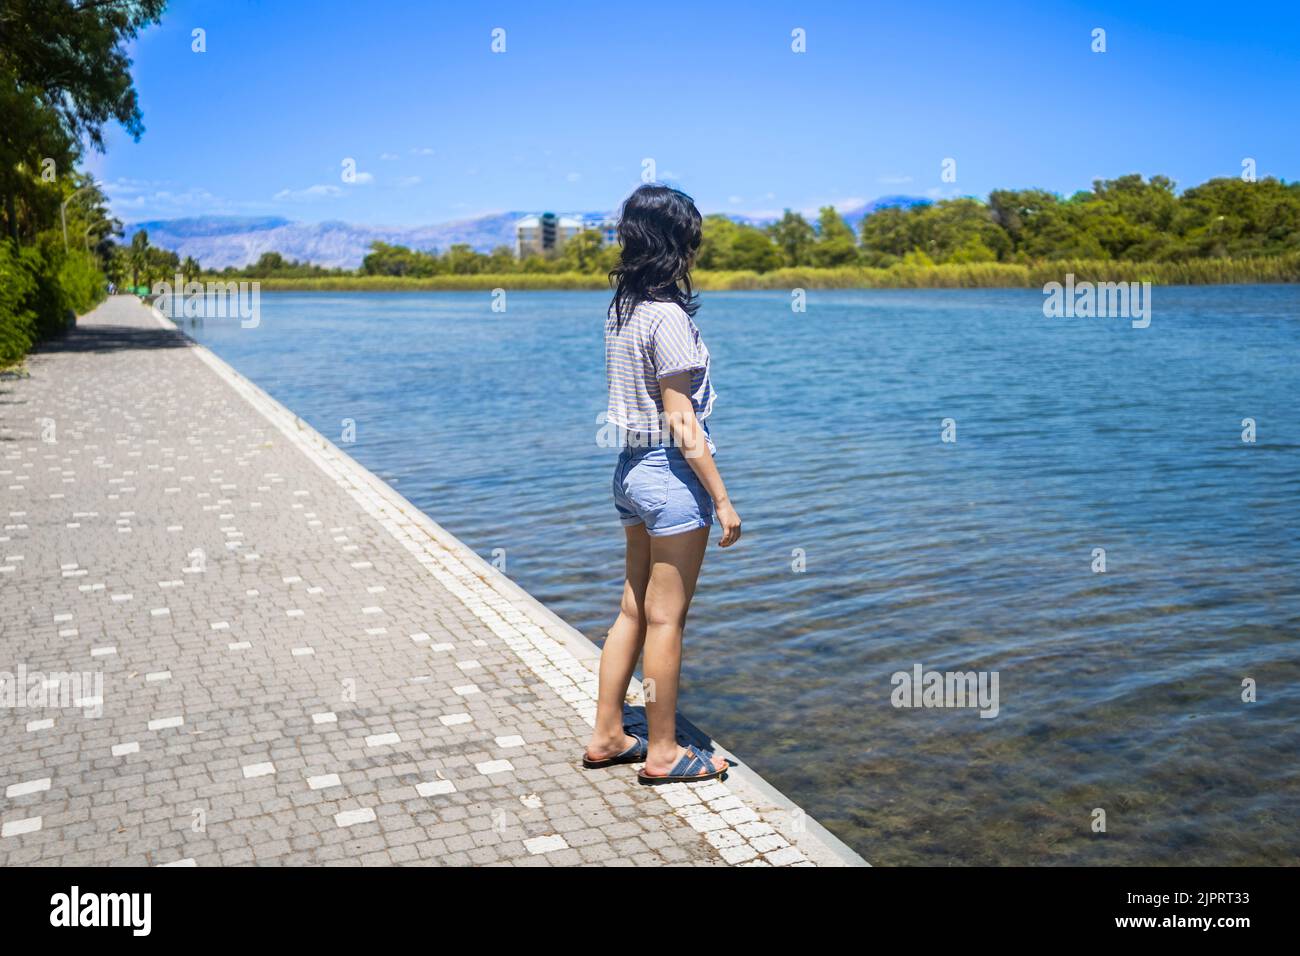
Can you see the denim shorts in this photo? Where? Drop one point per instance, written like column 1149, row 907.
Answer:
column 656, row 486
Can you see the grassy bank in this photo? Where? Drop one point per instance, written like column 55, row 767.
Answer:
column 976, row 275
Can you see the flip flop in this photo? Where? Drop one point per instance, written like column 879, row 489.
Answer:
column 634, row 754
column 695, row 766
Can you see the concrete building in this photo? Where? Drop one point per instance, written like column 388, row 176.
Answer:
column 546, row 233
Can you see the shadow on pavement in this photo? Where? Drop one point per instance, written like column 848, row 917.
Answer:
column 113, row 338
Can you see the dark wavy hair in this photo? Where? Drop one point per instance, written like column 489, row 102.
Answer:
column 659, row 231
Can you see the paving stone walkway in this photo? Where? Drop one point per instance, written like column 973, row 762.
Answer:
column 224, row 642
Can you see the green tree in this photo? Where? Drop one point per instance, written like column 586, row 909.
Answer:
column 887, row 235
column 836, row 244
column 718, row 234
column 461, row 259
column 64, row 75
column 582, row 252
column 752, row 249
column 138, row 257
column 390, row 260
column 794, row 236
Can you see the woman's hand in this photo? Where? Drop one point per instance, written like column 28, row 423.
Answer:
column 729, row 521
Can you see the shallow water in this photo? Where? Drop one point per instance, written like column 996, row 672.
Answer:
column 1118, row 690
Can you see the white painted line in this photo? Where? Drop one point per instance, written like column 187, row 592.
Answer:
column 326, row 717
column 259, row 770
column 102, row 651
column 545, row 844
column 121, row 750
column 382, row 740
column 350, row 818
column 163, row 723
column 435, row 788
column 494, row 766
column 450, row 720
column 32, row 786
column 35, row 725
column 323, row 781
column 157, row 676
column 19, row 827
column 185, row 862
column 512, row 741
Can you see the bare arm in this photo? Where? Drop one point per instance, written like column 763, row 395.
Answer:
column 685, row 427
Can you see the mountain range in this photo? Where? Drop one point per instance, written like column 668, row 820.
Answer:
column 220, row 241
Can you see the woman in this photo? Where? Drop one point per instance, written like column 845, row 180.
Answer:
column 667, row 489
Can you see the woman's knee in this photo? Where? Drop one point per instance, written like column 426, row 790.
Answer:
column 661, row 613
column 632, row 611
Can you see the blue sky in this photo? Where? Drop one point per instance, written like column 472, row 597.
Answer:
column 442, row 128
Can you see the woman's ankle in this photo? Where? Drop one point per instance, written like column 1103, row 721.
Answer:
column 607, row 733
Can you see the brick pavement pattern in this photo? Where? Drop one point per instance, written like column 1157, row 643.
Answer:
column 293, row 670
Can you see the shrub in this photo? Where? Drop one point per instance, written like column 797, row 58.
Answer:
column 42, row 290
column 82, row 281
column 17, row 323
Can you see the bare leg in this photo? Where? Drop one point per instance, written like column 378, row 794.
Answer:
column 622, row 647
column 674, row 568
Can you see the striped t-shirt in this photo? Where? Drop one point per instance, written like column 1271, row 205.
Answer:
column 656, row 340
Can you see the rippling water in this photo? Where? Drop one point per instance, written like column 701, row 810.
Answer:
column 1118, row 690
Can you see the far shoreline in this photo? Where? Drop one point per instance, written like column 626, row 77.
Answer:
column 1264, row 270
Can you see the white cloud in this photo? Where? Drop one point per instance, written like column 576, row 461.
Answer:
column 388, row 156
column 311, row 192
column 893, row 180
column 364, row 178
column 406, row 181
column 421, row 151
column 139, row 199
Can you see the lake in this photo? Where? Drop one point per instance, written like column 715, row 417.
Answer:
column 873, row 546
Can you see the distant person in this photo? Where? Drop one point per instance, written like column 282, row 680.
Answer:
column 667, row 489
